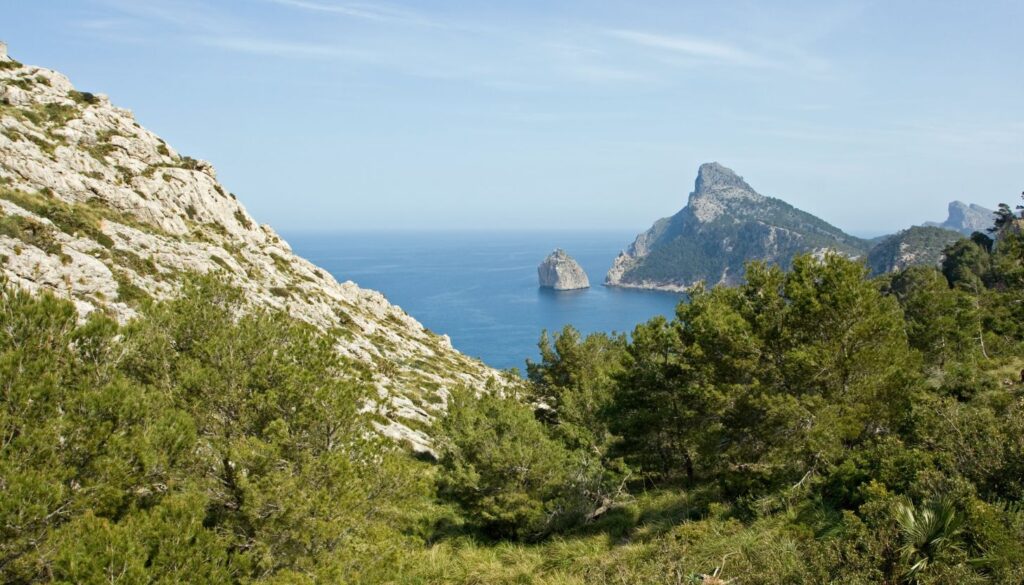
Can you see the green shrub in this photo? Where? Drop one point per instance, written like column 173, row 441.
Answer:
column 83, row 97
column 501, row 467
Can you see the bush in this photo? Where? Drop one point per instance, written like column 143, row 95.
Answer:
column 193, row 445
column 513, row 480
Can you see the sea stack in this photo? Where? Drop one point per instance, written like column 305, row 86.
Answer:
column 560, row 272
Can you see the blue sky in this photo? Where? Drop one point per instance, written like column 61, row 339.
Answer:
column 330, row 114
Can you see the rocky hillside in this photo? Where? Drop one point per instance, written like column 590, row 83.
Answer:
column 966, row 219
column 100, row 210
column 911, row 247
column 724, row 224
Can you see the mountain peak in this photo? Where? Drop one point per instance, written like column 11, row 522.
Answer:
column 719, row 190
column 713, row 176
column 966, row 218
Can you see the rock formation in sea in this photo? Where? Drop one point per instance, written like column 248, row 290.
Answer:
column 561, row 272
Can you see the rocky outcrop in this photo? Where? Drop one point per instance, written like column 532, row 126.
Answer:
column 966, row 219
column 724, row 225
column 97, row 209
column 560, row 272
column 917, row 246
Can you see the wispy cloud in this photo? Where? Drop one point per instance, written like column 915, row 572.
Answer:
column 693, row 47
column 277, row 48
column 374, row 12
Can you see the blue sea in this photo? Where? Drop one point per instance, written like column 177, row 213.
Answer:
column 481, row 288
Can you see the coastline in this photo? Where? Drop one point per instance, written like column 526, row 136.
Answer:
column 672, row 288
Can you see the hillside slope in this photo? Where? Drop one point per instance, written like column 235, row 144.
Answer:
column 100, row 210
column 916, row 246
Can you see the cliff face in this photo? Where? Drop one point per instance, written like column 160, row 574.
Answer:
column 561, row 272
column 97, row 209
column 966, row 219
column 724, row 224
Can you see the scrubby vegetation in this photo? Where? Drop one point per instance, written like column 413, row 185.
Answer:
column 917, row 245
column 194, row 445
column 812, row 425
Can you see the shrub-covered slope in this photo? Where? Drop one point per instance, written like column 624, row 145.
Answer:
column 916, row 246
column 101, row 211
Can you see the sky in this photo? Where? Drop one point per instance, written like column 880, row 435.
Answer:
column 546, row 114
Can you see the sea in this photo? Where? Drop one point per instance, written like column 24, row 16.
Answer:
column 480, row 288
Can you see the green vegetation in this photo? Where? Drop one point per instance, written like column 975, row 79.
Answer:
column 686, row 250
column 103, row 148
column 50, row 114
column 917, row 245
column 83, row 98
column 242, row 219
column 809, row 426
column 179, row 449
column 29, row 231
column 72, row 219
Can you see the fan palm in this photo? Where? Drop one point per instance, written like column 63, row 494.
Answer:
column 928, row 532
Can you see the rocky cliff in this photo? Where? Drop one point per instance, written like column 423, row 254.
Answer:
column 966, row 219
column 561, row 272
column 724, row 224
column 97, row 209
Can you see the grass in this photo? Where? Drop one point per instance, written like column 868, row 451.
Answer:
column 83, row 97
column 281, row 263
column 74, row 220
column 30, row 232
column 127, row 291
column 655, row 539
column 220, row 262
column 242, row 219
column 133, row 261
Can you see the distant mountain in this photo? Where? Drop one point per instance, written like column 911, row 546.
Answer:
column 724, row 225
column 966, row 219
column 911, row 247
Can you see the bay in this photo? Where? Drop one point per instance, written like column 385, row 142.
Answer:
column 481, row 288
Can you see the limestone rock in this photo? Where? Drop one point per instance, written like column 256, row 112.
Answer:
column 966, row 219
column 561, row 272
column 101, row 208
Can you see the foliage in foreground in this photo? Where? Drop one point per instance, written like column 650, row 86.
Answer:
column 815, row 424
column 809, row 426
column 194, row 445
